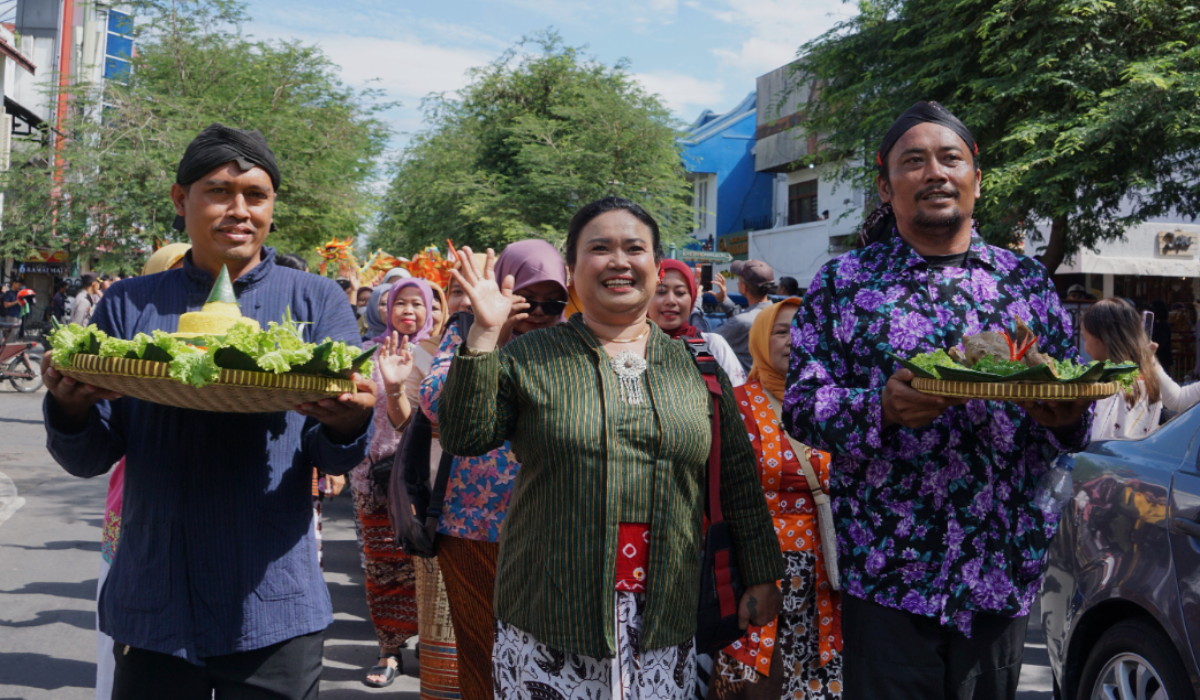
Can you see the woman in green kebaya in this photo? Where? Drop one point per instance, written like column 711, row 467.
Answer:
column 598, row 568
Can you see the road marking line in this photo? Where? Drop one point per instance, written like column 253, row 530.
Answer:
column 10, row 502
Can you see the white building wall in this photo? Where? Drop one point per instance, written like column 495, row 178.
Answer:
column 800, row 250
column 36, row 92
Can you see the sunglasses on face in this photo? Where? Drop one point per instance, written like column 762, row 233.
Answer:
column 550, row 308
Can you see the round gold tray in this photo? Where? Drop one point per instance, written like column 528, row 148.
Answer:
column 1016, row 391
column 235, row 391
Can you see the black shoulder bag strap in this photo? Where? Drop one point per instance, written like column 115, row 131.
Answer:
column 437, row 497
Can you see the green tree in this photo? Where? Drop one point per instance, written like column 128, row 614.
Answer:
column 195, row 67
column 533, row 137
column 1087, row 112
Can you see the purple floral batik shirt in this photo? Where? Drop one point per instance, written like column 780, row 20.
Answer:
column 940, row 520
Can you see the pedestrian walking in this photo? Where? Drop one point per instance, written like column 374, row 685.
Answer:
column 941, row 542
column 479, row 488
column 798, row 655
column 390, row 578
column 13, row 309
column 86, row 299
column 597, row 584
column 756, row 281
column 670, row 310
column 216, row 586
column 1112, row 330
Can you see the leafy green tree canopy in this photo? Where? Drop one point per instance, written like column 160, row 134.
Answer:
column 1087, row 112
column 194, row 67
column 533, row 137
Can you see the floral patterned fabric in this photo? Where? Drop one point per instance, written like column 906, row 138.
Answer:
column 478, row 489
column 940, row 520
column 803, row 671
column 110, row 531
column 794, row 514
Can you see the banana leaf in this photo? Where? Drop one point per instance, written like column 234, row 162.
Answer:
column 233, row 358
column 1040, row 373
column 1113, row 371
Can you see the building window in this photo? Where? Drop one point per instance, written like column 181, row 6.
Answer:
column 702, row 197
column 118, row 53
column 802, row 202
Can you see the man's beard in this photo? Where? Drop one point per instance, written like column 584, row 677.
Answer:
column 943, row 225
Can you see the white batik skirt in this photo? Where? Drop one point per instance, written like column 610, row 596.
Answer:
column 523, row 667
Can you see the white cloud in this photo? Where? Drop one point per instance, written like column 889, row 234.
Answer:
column 776, row 29
column 406, row 69
column 685, row 95
column 757, row 55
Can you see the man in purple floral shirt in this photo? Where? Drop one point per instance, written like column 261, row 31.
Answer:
column 941, row 547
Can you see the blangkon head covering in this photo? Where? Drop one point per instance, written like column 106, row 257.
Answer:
column 920, row 113
column 880, row 222
column 219, row 144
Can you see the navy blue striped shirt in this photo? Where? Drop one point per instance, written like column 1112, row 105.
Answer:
column 217, row 552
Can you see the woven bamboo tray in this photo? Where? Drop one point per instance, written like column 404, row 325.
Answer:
column 235, row 391
column 1016, row 391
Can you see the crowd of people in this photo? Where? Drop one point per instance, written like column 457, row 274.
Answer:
column 573, row 432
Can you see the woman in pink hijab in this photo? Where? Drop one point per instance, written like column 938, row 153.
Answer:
column 412, row 314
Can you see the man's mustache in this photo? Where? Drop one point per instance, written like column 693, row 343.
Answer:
column 936, row 189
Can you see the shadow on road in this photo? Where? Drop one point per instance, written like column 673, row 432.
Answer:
column 82, row 590
column 28, row 421
column 82, row 619
column 45, row 672
column 77, row 545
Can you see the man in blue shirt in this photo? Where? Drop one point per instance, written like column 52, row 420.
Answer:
column 215, row 586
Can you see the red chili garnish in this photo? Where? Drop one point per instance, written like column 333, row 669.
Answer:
column 1012, row 349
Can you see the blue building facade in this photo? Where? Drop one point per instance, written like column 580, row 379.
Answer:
column 729, row 196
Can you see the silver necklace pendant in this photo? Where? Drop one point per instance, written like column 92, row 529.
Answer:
column 629, row 366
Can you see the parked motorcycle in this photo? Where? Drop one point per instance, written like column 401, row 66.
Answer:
column 21, row 364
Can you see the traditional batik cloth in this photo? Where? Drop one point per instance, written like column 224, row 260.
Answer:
column 940, row 520
column 526, row 668
column 389, row 575
column 110, row 536
column 803, row 674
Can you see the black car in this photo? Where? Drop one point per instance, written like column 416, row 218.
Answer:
column 1121, row 600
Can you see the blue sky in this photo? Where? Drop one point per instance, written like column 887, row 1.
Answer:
column 695, row 54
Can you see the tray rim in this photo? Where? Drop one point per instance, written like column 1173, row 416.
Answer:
column 237, row 391
column 1016, row 391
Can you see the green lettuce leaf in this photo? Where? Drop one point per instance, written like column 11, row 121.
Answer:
column 69, row 340
column 998, row 366
column 279, row 348
column 930, row 361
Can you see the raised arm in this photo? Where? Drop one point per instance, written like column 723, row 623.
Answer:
column 476, row 413
column 1175, row 397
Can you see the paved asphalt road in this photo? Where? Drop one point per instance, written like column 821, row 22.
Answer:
column 50, row 552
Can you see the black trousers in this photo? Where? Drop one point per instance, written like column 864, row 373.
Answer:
column 890, row 654
column 290, row 669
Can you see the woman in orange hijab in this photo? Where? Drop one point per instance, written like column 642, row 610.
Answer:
column 799, row 654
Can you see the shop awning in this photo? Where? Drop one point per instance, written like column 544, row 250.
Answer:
column 1144, row 267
